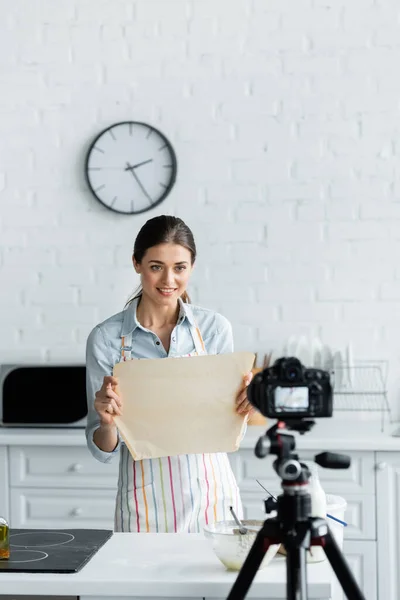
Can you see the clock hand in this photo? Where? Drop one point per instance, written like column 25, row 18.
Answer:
column 129, row 168
column 139, row 183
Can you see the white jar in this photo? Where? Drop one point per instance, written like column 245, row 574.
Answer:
column 318, row 509
column 318, row 496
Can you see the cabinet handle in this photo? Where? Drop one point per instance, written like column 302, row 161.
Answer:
column 381, row 466
column 76, row 467
column 76, row 512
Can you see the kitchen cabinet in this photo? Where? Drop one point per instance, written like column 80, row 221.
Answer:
column 59, row 467
column 60, row 488
column 361, row 558
column 358, row 479
column 388, row 500
column 53, row 508
column 50, row 480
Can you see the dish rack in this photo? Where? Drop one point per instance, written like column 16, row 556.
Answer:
column 362, row 388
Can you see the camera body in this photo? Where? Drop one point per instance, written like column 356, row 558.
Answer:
column 288, row 390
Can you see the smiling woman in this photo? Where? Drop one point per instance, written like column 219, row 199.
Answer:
column 174, row 493
column 165, row 246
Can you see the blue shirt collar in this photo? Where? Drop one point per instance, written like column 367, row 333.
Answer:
column 130, row 322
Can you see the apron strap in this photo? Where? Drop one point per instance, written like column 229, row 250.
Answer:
column 126, row 347
column 195, row 332
column 198, row 340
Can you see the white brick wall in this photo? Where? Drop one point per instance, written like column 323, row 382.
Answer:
column 284, row 116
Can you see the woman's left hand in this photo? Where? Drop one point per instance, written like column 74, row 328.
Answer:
column 243, row 406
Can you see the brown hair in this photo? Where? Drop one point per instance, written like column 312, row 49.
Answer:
column 163, row 229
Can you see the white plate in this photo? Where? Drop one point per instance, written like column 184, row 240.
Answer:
column 275, row 354
column 291, row 346
column 303, row 352
column 350, row 365
column 327, row 358
column 316, row 352
column 338, row 369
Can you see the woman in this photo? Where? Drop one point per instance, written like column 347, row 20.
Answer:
column 178, row 493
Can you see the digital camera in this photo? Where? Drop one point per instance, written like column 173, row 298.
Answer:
column 288, row 390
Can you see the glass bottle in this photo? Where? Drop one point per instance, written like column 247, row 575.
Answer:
column 4, row 539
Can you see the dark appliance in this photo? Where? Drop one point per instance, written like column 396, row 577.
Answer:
column 51, row 551
column 43, row 395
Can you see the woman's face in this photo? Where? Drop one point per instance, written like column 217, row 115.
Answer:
column 164, row 272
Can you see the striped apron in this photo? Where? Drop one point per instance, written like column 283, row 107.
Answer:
column 174, row 493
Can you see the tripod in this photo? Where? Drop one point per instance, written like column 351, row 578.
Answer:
column 293, row 526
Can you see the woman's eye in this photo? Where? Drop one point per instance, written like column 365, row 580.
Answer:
column 158, row 268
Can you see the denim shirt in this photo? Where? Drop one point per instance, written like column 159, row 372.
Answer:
column 103, row 351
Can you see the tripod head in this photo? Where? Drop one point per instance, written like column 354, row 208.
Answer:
column 295, row 474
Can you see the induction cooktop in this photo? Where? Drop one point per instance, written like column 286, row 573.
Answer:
column 52, row 551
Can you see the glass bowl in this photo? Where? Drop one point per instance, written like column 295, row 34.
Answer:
column 232, row 547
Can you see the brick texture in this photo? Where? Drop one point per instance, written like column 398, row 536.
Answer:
column 284, row 117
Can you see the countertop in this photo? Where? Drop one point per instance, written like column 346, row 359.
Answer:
column 338, row 435
column 327, row 434
column 32, row 436
column 163, row 566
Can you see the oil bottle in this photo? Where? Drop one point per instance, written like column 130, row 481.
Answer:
column 4, row 539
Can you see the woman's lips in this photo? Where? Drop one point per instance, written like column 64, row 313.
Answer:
column 166, row 291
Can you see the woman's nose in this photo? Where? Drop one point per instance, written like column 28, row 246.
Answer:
column 169, row 278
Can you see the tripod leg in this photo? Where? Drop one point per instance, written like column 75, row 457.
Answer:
column 296, row 574
column 341, row 568
column 252, row 562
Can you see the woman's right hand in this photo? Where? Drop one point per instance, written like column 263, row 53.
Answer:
column 107, row 403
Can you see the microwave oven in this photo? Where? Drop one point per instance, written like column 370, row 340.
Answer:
column 43, row 395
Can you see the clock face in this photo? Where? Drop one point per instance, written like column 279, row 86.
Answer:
column 130, row 167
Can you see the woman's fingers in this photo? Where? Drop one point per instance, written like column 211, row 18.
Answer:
column 244, row 407
column 109, row 393
column 242, row 403
column 242, row 397
column 246, row 380
column 109, row 380
column 107, row 402
column 112, row 408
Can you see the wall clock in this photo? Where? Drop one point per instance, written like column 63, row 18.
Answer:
column 130, row 167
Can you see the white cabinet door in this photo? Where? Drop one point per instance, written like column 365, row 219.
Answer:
column 60, row 467
column 358, row 479
column 361, row 558
column 4, row 485
column 58, row 508
column 388, row 505
column 360, row 514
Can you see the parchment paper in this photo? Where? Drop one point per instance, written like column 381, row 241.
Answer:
column 181, row 405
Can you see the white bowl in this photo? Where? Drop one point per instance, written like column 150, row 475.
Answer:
column 232, row 547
